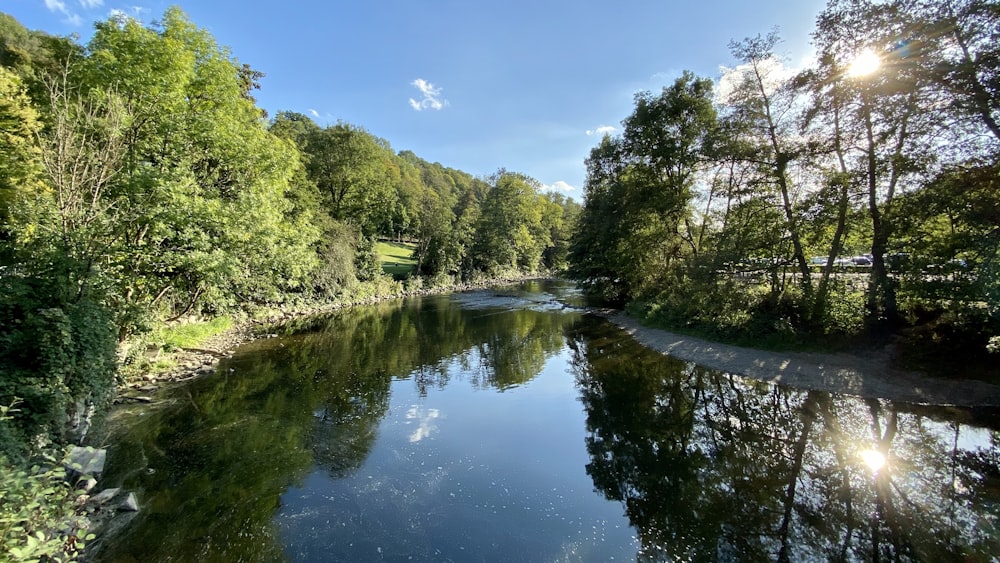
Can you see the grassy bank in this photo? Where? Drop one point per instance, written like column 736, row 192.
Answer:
column 397, row 258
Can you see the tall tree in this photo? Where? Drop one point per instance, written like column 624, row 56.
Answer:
column 509, row 233
column 639, row 187
column 891, row 115
column 763, row 108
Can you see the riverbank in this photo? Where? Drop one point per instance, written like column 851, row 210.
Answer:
column 869, row 374
column 194, row 362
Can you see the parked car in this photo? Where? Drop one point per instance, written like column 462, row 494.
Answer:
column 863, row 260
column 843, row 262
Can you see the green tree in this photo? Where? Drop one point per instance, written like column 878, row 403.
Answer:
column 204, row 188
column 762, row 108
column 354, row 171
column 960, row 37
column 639, row 188
column 20, row 163
column 891, row 116
column 509, row 234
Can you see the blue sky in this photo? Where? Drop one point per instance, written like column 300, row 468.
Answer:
column 528, row 85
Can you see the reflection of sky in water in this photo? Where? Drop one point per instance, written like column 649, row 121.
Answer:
column 425, row 421
column 432, row 434
column 501, row 476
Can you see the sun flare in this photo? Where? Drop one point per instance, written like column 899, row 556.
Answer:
column 866, row 62
column 873, row 459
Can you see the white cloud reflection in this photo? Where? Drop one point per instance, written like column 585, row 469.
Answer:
column 425, row 420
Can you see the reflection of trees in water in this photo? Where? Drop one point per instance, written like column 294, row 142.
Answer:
column 347, row 421
column 709, row 466
column 515, row 347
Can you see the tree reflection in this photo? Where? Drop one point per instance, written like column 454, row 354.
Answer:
column 212, row 464
column 709, row 466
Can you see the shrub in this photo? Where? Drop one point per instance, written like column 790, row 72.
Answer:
column 55, row 355
column 38, row 521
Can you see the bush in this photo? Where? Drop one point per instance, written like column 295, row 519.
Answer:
column 38, row 521
column 942, row 332
column 55, row 355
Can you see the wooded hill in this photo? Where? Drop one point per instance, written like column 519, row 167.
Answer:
column 140, row 182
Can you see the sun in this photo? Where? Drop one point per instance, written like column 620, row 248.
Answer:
column 865, row 63
column 874, row 459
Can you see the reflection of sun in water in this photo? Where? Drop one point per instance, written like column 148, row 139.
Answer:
column 873, row 459
column 865, row 63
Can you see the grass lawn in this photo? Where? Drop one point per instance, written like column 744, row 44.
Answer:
column 191, row 335
column 396, row 257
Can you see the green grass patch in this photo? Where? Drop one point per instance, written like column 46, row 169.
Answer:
column 396, row 258
column 191, row 335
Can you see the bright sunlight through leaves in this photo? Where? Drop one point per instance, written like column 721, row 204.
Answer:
column 873, row 459
column 865, row 63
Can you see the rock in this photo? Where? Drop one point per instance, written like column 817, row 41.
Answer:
column 148, row 388
column 142, row 399
column 86, row 460
column 104, row 496
column 89, row 485
column 130, row 504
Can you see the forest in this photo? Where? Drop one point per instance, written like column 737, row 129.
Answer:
column 141, row 184
column 855, row 199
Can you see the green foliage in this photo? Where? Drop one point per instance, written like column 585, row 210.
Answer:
column 713, row 221
column 356, row 174
column 55, row 354
column 208, row 213
column 38, row 516
column 38, row 519
column 639, row 187
column 510, row 234
column 19, row 152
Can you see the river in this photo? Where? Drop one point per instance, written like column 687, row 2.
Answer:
column 510, row 425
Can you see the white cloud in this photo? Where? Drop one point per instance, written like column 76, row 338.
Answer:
column 89, row 4
column 122, row 15
column 313, row 112
column 773, row 72
column 56, row 6
column 118, row 15
column 431, row 96
column 60, row 7
column 559, row 186
column 602, row 130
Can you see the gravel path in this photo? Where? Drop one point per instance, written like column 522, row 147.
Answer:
column 869, row 375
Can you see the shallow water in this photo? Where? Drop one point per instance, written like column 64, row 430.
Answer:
column 510, row 426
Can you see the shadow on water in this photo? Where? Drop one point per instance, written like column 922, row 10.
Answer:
column 324, row 444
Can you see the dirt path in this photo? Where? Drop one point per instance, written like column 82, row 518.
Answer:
column 868, row 375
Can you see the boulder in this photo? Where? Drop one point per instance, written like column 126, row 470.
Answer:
column 86, row 460
column 130, row 504
column 104, row 496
